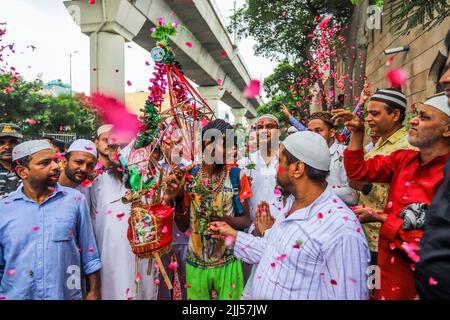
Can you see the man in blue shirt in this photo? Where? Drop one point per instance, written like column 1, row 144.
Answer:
column 46, row 237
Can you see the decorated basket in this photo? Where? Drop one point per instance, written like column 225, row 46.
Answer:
column 150, row 232
column 150, row 229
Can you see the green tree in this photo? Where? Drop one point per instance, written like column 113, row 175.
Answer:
column 283, row 86
column 407, row 15
column 282, row 32
column 281, row 28
column 23, row 101
column 36, row 113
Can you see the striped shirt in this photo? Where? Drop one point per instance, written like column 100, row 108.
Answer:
column 9, row 182
column 318, row 252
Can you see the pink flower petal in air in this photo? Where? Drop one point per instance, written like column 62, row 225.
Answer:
column 98, row 166
column 203, row 122
column 173, row 265
column 277, row 191
column 397, row 77
column 164, row 229
column 91, row 1
column 390, row 60
column 333, row 282
column 281, row 257
column 253, row 89
column 219, row 81
column 129, row 83
column 58, row 156
column 126, row 125
column 223, row 53
column 325, row 20
column 11, row 272
column 229, row 241
column 35, row 229
column 157, row 282
column 138, row 277
column 188, row 44
column 432, row 281
column 120, row 216
column 392, row 246
column 411, row 249
column 320, row 215
column 86, row 183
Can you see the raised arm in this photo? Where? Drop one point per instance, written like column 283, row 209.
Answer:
column 297, row 124
column 376, row 169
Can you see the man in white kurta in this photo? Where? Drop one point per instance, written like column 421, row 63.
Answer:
column 261, row 166
column 118, row 275
column 261, row 169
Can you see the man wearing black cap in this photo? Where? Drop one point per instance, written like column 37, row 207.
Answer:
column 10, row 136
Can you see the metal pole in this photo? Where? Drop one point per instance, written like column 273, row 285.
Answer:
column 70, row 70
column 234, row 14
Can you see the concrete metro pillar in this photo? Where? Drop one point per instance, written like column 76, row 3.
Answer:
column 212, row 96
column 109, row 24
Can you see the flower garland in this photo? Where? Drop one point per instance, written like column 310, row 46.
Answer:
column 159, row 85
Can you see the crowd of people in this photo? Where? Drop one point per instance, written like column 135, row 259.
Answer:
column 306, row 218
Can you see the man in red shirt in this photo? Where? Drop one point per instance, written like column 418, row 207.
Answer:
column 415, row 177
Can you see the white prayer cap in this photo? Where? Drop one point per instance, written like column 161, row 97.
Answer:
column 310, row 148
column 29, row 148
column 439, row 102
column 83, row 145
column 292, row 129
column 270, row 116
column 104, row 128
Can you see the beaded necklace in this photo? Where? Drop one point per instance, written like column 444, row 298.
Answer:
column 214, row 184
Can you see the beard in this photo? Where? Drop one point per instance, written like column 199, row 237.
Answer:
column 103, row 154
column 113, row 166
column 422, row 142
column 49, row 182
column 284, row 192
column 73, row 176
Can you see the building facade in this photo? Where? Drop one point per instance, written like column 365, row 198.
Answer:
column 424, row 62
